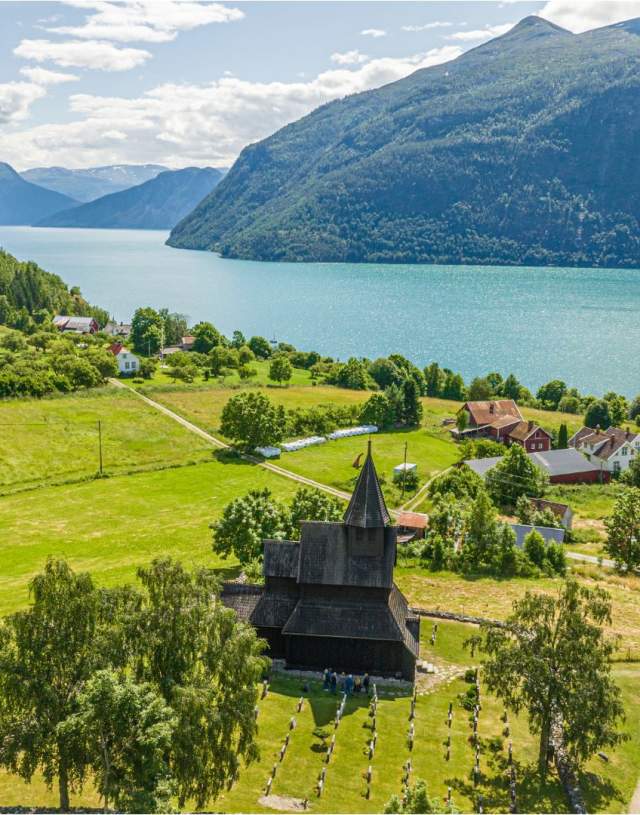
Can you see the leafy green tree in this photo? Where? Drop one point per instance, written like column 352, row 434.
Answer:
column 462, row 482
column 634, row 407
column 511, row 388
column 238, row 339
column 632, row 475
column 248, row 521
column 313, row 505
column 462, row 420
column 354, row 374
column 551, row 394
column 623, row 529
column 251, row 420
column 260, row 347
column 47, row 652
column 247, row 372
column 416, row 800
column 618, row 408
column 385, row 372
column 513, row 476
column 378, row 410
column 552, row 659
column 245, row 354
column 569, row 404
column 126, row 731
column 146, row 331
column 148, row 368
column 563, row 437
column 480, row 448
column 480, row 389
column 524, row 510
column 221, row 358
column 598, row 415
column 280, row 369
column 453, row 387
column 206, row 337
column 535, row 548
column 103, row 361
column 481, row 531
column 411, row 404
column 174, row 326
column 433, row 379
column 206, row 665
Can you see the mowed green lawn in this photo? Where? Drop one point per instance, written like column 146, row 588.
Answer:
column 57, row 440
column 111, row 526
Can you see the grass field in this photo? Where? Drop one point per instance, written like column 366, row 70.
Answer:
column 111, row 526
column 607, row 786
column 56, row 440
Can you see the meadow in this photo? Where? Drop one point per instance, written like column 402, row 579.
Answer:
column 607, row 786
column 56, row 440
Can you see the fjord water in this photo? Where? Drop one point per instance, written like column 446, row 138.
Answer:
column 580, row 325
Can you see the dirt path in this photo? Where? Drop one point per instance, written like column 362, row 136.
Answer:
column 267, row 465
column 634, row 804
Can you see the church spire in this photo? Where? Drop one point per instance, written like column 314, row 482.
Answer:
column 367, row 508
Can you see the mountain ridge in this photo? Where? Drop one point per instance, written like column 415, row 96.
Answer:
column 450, row 164
column 23, row 203
column 158, row 203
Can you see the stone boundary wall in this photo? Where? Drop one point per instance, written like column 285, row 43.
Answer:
column 565, row 770
column 460, row 618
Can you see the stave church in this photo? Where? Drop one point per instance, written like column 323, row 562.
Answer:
column 329, row 600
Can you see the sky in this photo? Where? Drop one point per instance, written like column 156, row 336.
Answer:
column 183, row 83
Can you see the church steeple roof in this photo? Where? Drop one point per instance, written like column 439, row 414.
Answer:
column 367, row 508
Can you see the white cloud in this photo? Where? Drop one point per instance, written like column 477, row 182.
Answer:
column 180, row 124
column 16, row 99
column 145, row 20
column 427, row 26
column 349, row 58
column 82, row 54
column 41, row 76
column 587, row 14
column 374, row 32
column 485, row 33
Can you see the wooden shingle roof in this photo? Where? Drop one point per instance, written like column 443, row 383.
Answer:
column 367, row 508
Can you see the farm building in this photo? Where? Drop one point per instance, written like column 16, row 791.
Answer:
column 562, row 466
column 549, row 533
column 329, row 600
column 612, row 450
column 562, row 512
column 128, row 363
column 411, row 526
column 75, row 325
column 500, row 419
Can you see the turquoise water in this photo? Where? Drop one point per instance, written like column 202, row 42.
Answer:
column 581, row 325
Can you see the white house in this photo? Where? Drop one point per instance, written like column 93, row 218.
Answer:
column 128, row 363
column 612, row 450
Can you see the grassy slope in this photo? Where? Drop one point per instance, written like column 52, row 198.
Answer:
column 55, row 440
column 111, row 526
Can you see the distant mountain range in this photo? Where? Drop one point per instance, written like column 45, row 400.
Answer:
column 524, row 150
column 157, row 204
column 92, row 182
column 24, row 203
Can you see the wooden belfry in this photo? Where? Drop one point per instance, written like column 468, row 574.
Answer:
column 329, row 600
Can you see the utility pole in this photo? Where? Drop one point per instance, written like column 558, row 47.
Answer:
column 404, row 470
column 100, row 443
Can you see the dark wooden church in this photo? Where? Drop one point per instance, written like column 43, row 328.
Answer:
column 329, row 600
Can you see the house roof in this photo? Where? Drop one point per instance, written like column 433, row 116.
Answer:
column 549, row 533
column 281, row 558
column 505, row 421
column 241, row 597
column 487, row 412
column 523, row 430
column 115, row 348
column 413, row 520
column 553, row 462
column 73, row 322
column 602, row 443
column 367, row 508
column 188, row 340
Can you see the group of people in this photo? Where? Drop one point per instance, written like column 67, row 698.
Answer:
column 346, row 683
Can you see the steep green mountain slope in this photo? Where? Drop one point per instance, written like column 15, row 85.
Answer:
column 25, row 286
column 92, row 182
column 523, row 150
column 24, row 203
column 157, row 204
